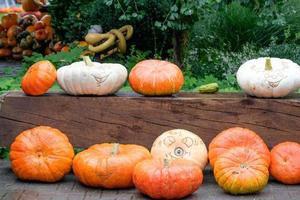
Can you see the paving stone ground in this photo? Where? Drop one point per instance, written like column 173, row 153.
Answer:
column 69, row 189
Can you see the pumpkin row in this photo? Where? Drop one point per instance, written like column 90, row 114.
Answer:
column 240, row 160
column 262, row 77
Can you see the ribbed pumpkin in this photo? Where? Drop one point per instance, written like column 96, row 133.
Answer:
column 39, row 78
column 41, row 154
column 236, row 137
column 108, row 165
column 285, row 162
column 241, row 171
column 179, row 143
column 156, row 78
column 167, row 179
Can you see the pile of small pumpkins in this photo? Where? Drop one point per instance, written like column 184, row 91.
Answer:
column 240, row 160
column 20, row 35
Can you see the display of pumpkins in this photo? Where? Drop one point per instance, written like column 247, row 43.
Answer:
column 179, row 143
column 91, row 78
column 108, row 165
column 41, row 154
column 269, row 77
column 24, row 34
column 156, row 78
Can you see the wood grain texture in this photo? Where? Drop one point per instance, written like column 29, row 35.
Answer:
column 69, row 189
column 130, row 118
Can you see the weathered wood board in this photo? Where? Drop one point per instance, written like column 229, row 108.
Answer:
column 70, row 189
column 130, row 118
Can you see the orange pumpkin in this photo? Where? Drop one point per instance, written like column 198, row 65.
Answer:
column 167, row 179
column 9, row 20
column 108, row 165
column 65, row 49
column 155, row 78
column 13, row 31
column 285, row 162
column 41, row 154
column 46, row 19
column 32, row 5
column 39, row 78
column 4, row 52
column 241, row 170
column 233, row 137
column 40, row 35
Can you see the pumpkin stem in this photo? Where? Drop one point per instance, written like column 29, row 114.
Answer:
column 115, row 149
column 88, row 61
column 268, row 65
column 166, row 162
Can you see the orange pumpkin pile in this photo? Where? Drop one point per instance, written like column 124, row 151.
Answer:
column 241, row 162
column 20, row 35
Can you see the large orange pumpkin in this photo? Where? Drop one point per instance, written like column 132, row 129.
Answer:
column 155, row 78
column 167, row 179
column 285, row 162
column 234, row 137
column 39, row 78
column 241, row 170
column 41, row 154
column 9, row 20
column 108, row 165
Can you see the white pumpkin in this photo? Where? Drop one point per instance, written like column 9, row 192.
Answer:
column 91, row 78
column 180, row 143
column 269, row 77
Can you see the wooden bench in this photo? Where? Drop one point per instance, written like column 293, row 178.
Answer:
column 130, row 118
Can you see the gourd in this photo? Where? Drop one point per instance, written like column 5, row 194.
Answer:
column 108, row 165
column 9, row 20
column 237, row 137
column 91, row 78
column 32, row 5
column 156, row 78
column 41, row 154
column 241, row 170
column 269, row 77
column 39, row 78
column 285, row 162
column 167, row 179
column 179, row 143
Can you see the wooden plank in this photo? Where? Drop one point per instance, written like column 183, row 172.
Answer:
column 208, row 191
column 130, row 118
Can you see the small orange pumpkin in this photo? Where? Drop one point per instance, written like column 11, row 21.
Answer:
column 236, row 137
column 40, row 35
column 41, row 154
column 241, row 170
column 13, row 31
column 9, row 20
column 39, row 78
column 167, row 179
column 108, row 165
column 285, row 162
column 4, row 52
column 155, row 78
column 58, row 46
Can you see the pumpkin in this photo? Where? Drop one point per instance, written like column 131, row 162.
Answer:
column 30, row 29
column 91, row 78
column 241, row 170
column 39, row 25
column 167, row 179
column 65, row 49
column 13, row 31
column 179, row 143
column 58, row 46
column 269, row 77
column 32, row 5
column 285, row 162
column 234, row 137
column 46, row 19
column 155, row 78
column 108, row 165
column 40, row 35
column 28, row 20
column 9, row 20
column 41, row 154
column 27, row 52
column 4, row 52
column 39, row 78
